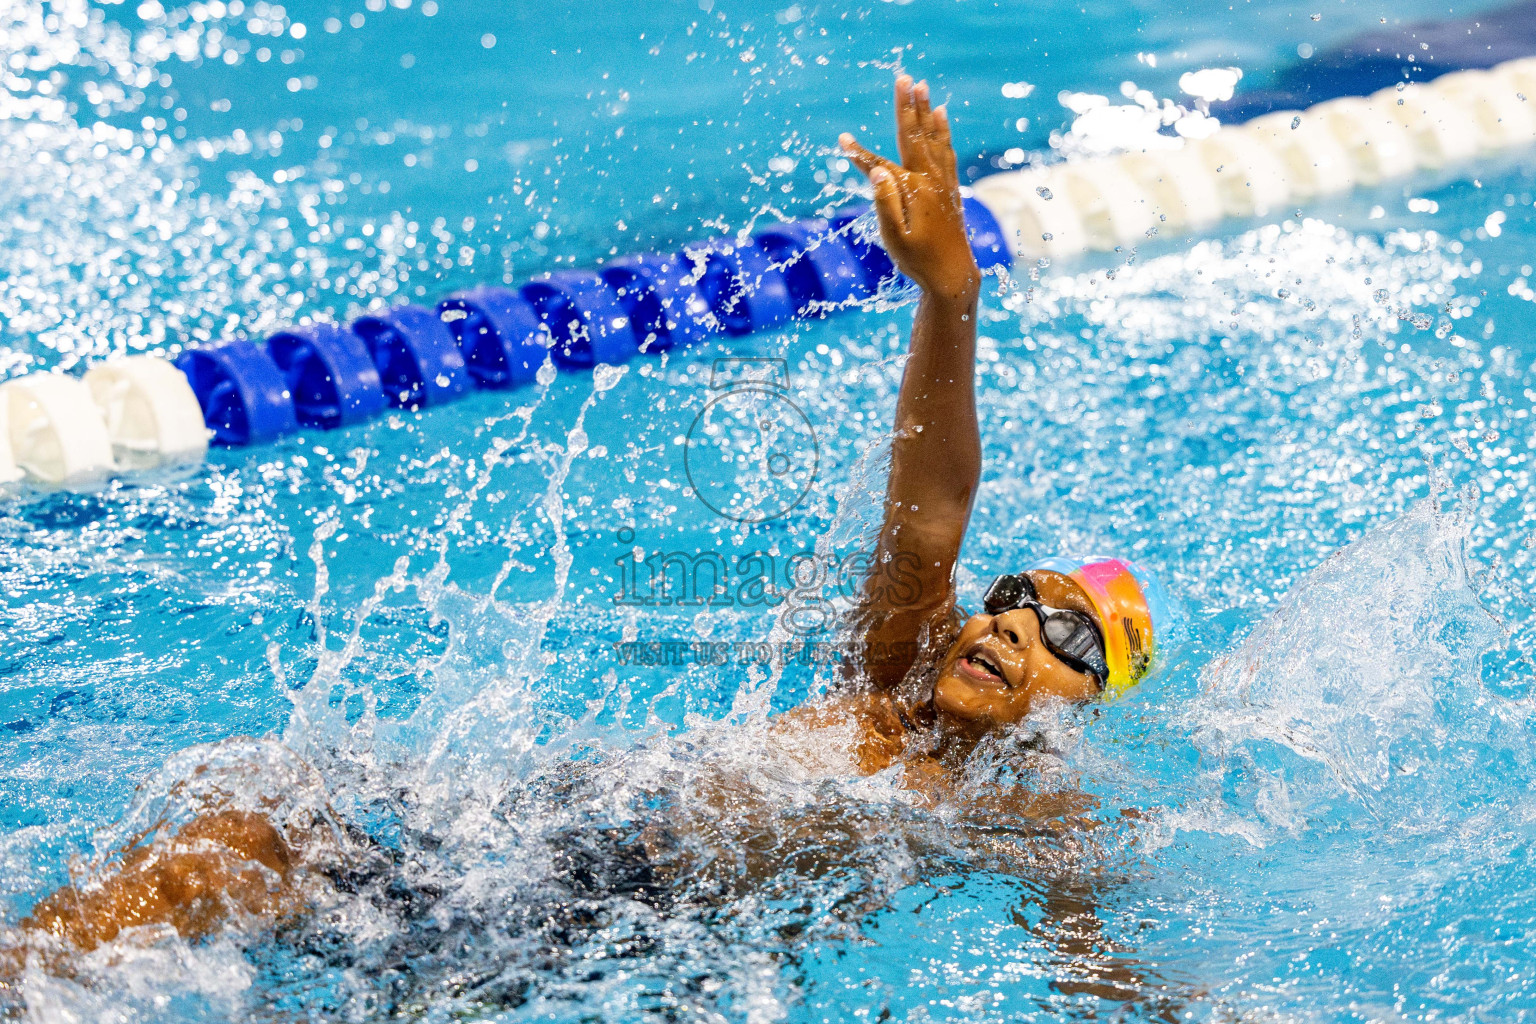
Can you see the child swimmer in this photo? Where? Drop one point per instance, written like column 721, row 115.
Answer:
column 1061, row 630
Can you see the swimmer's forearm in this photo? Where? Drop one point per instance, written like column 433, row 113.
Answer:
column 936, row 450
column 935, row 473
column 936, row 453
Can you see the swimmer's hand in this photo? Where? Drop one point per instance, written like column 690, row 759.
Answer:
column 922, row 221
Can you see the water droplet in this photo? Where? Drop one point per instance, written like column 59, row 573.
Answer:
column 1044, row 193
column 1296, row 122
column 605, row 376
column 1047, row 236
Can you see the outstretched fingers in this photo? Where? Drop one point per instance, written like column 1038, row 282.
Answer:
column 883, row 177
column 906, row 120
column 943, row 147
column 920, row 105
column 865, row 160
column 914, row 125
column 938, row 152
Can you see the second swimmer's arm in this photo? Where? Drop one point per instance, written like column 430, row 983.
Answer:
column 936, row 452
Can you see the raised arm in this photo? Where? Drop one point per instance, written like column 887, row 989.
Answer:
column 936, row 451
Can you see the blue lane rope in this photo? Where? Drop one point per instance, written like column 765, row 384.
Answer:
column 417, row 356
column 331, row 375
column 243, row 395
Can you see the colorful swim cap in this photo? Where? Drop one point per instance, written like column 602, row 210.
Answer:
column 1132, row 608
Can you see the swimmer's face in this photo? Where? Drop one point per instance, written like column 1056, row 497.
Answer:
column 998, row 669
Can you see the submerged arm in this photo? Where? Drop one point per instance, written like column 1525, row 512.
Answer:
column 936, row 451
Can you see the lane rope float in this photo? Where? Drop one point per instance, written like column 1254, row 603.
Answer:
column 56, row 431
column 151, row 414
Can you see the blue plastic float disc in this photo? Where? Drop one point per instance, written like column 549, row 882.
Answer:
column 417, row 356
column 665, row 306
column 987, row 242
column 586, row 322
column 875, row 261
column 329, row 372
column 818, row 266
column 742, row 287
column 244, row 397
column 498, row 333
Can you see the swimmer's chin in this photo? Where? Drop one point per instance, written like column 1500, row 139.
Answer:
column 955, row 697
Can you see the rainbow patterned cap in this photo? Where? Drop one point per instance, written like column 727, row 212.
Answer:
column 1132, row 608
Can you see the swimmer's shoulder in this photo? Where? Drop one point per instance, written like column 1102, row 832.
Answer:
column 869, row 727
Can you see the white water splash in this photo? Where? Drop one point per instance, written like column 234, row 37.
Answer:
column 1367, row 671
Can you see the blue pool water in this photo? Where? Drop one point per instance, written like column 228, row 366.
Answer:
column 1316, row 429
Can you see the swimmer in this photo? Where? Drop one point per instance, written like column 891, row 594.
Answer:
column 933, row 682
column 927, row 684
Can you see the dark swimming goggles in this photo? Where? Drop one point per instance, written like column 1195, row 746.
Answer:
column 1071, row 636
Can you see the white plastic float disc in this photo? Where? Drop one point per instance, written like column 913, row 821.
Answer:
column 1441, row 130
column 151, row 412
column 56, row 432
column 9, row 471
column 1522, row 75
column 1378, row 146
column 1494, row 103
column 1180, row 187
column 1035, row 225
column 1314, row 161
column 1249, row 178
column 1113, row 208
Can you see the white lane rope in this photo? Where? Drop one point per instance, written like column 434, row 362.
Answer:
column 1255, row 168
